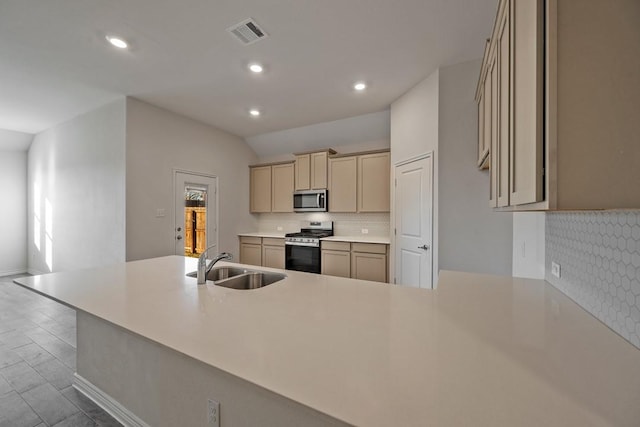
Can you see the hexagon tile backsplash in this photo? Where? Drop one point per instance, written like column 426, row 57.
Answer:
column 599, row 255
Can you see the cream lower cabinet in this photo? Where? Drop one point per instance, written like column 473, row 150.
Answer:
column 265, row 252
column 369, row 262
column 273, row 253
column 251, row 250
column 336, row 259
column 364, row 261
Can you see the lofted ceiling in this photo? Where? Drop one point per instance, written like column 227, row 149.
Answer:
column 56, row 64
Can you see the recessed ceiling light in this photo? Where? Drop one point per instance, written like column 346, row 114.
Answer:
column 360, row 86
column 254, row 112
column 117, row 42
column 256, row 68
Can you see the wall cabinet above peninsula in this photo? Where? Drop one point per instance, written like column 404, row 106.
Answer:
column 558, row 98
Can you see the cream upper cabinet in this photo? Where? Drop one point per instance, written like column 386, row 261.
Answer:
column 260, row 189
column 282, row 177
column 566, row 84
column 525, row 24
column 271, row 188
column 343, row 184
column 311, row 170
column 303, row 172
column 483, row 99
column 373, row 182
column 318, row 172
column 359, row 183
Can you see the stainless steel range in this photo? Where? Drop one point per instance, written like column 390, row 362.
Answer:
column 302, row 249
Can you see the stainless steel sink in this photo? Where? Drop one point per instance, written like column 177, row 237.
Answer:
column 240, row 278
column 220, row 273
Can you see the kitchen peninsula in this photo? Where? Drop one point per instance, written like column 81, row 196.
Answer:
column 317, row 350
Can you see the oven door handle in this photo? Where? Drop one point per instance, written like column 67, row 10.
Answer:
column 309, row 245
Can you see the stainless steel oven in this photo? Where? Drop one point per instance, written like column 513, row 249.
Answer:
column 302, row 250
column 310, row 201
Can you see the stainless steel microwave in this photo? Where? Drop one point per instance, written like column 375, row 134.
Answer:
column 310, row 201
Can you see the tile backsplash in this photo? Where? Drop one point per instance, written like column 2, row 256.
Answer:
column 599, row 256
column 344, row 224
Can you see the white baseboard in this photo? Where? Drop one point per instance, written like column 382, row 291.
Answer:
column 13, row 272
column 106, row 402
column 35, row 272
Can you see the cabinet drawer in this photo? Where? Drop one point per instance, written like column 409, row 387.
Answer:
column 272, row 241
column 371, row 248
column 251, row 240
column 336, row 246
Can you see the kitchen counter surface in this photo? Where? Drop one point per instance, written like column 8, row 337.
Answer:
column 352, row 239
column 273, row 235
column 480, row 350
column 359, row 239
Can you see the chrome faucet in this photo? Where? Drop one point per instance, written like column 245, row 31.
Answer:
column 204, row 269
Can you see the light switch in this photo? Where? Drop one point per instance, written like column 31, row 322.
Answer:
column 159, row 213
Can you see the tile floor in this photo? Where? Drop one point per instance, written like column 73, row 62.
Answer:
column 37, row 362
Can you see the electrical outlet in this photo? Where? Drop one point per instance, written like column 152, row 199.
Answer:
column 213, row 413
column 160, row 213
column 365, row 231
column 279, row 228
column 555, row 269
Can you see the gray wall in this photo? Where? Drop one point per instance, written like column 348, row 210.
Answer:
column 13, row 212
column 599, row 257
column 76, row 178
column 472, row 237
column 159, row 141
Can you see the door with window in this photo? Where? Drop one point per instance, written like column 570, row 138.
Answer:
column 413, row 223
column 195, row 213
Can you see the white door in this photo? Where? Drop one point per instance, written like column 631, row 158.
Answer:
column 196, row 213
column 413, row 223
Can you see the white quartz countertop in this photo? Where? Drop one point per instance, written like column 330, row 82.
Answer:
column 353, row 239
column 274, row 235
column 479, row 351
column 359, row 239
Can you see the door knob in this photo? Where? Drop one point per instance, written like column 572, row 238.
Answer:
column 178, row 237
column 425, row 247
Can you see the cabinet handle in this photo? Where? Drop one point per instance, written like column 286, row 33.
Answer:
column 425, row 247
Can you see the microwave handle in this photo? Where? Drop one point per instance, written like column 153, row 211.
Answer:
column 318, row 201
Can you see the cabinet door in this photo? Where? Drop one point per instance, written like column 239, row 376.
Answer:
column 504, row 106
column 250, row 254
column 526, row 149
column 319, row 170
column 366, row 266
column 343, row 184
column 260, row 189
column 282, row 188
column 273, row 256
column 491, row 126
column 335, row 263
column 302, row 172
column 373, row 182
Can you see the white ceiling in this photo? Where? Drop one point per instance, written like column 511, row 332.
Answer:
column 55, row 63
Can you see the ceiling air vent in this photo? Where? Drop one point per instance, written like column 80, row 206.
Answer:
column 248, row 31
